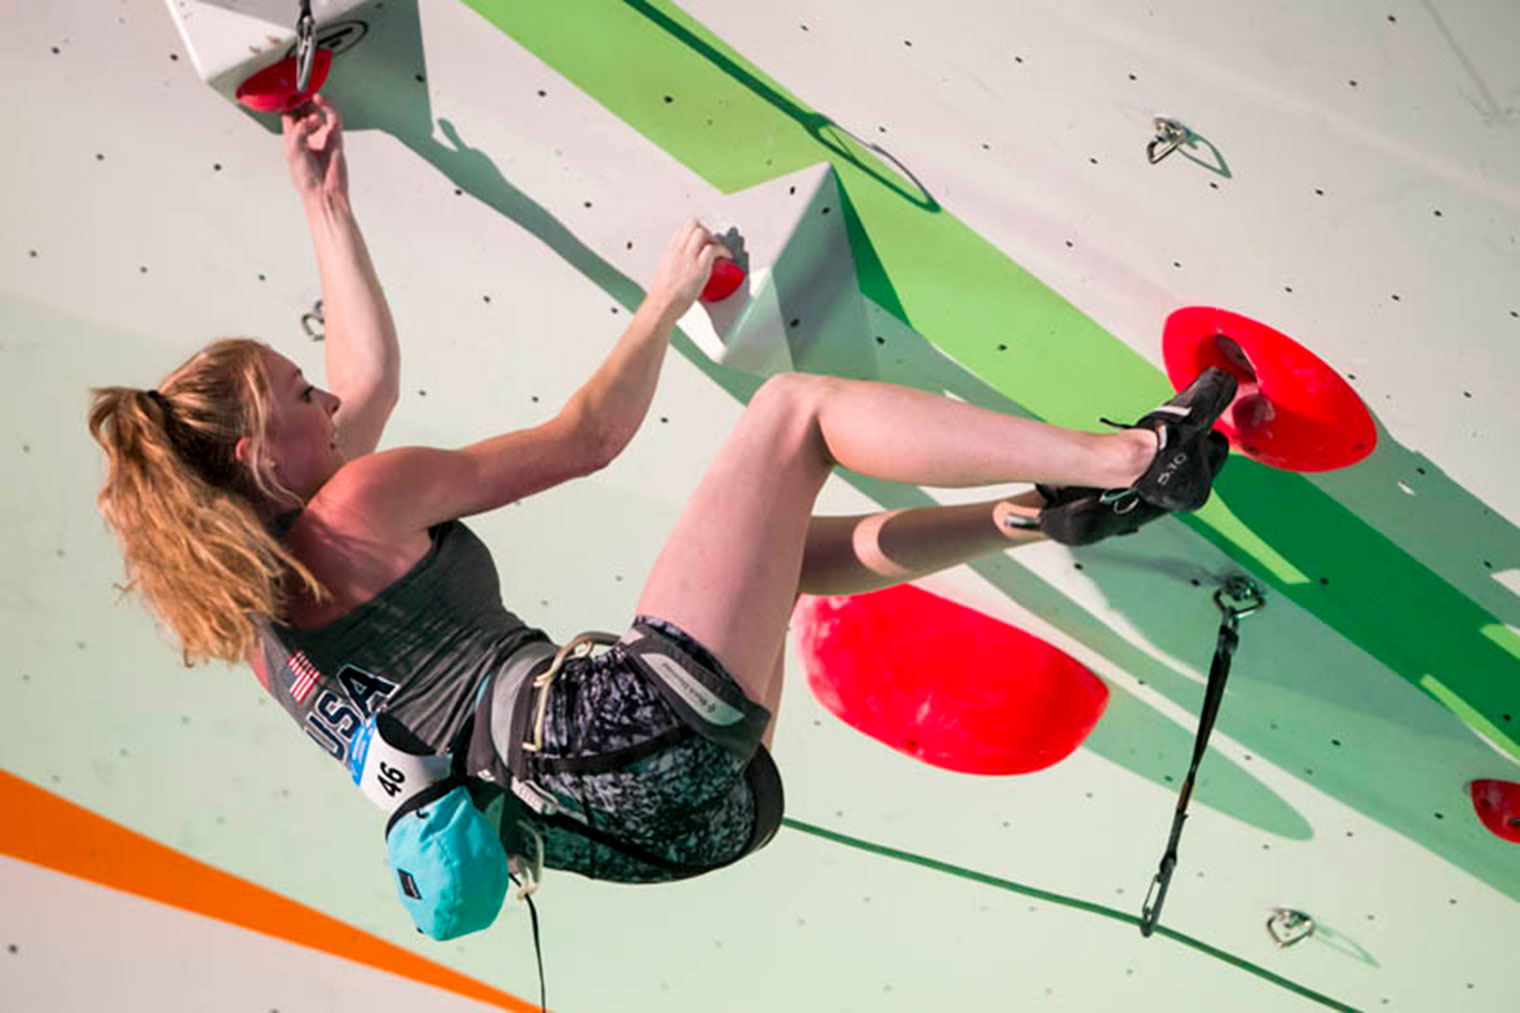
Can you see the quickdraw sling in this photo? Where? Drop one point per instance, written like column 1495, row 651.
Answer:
column 1239, row 597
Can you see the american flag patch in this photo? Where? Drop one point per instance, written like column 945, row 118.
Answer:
column 302, row 676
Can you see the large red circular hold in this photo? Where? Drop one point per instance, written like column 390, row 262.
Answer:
column 273, row 89
column 1292, row 410
column 946, row 684
column 726, row 277
column 1498, row 806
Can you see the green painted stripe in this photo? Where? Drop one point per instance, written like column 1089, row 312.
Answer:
column 1055, row 898
column 1454, row 703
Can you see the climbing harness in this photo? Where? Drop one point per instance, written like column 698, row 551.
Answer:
column 507, row 746
column 1239, row 597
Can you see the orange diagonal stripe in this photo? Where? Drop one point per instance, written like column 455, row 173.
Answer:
column 41, row 828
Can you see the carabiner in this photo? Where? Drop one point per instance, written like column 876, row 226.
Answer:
column 1287, row 927
column 306, row 46
column 1150, row 913
column 1240, row 597
column 1168, row 132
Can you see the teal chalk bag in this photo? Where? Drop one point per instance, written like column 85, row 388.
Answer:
column 451, row 870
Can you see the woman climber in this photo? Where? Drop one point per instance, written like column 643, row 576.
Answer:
column 260, row 522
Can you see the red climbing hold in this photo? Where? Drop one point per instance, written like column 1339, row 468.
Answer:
column 725, row 278
column 1498, row 805
column 944, row 683
column 1292, row 410
column 273, row 89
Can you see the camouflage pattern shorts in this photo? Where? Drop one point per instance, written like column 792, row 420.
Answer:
column 689, row 802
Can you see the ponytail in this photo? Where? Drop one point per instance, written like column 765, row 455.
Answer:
column 181, row 504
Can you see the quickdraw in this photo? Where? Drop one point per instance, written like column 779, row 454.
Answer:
column 1238, row 598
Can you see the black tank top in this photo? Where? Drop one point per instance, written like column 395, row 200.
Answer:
column 422, row 647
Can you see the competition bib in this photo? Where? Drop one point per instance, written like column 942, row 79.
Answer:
column 387, row 775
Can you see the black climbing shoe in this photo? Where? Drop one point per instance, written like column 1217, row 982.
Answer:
column 1179, row 477
column 1078, row 515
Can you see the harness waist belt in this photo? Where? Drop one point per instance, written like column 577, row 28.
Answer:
column 520, row 668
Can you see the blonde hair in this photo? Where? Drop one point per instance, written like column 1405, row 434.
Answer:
column 182, row 505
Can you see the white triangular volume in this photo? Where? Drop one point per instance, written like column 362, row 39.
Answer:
column 801, row 306
column 231, row 40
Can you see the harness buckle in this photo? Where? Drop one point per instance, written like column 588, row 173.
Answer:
column 534, row 797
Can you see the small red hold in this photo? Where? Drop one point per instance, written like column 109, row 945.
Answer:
column 946, row 684
column 273, row 89
column 726, row 277
column 1498, row 806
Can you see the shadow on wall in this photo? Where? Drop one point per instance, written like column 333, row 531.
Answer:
column 837, row 139
column 1348, row 561
column 1432, row 517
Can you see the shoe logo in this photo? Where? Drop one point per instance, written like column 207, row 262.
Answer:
column 1171, row 469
